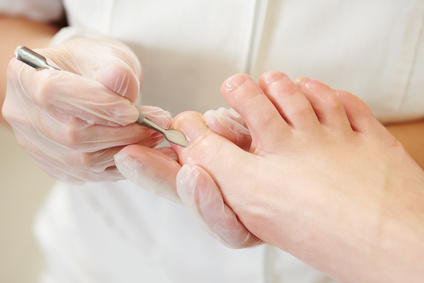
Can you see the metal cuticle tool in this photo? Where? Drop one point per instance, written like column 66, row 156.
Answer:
column 32, row 58
column 39, row 62
column 171, row 135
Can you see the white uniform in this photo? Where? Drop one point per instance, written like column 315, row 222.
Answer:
column 117, row 232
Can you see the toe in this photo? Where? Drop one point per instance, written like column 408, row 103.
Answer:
column 192, row 125
column 289, row 100
column 259, row 113
column 204, row 146
column 326, row 104
column 207, row 149
column 359, row 114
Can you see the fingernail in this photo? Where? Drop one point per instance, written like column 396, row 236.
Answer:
column 126, row 165
column 186, row 183
column 301, row 81
column 234, row 82
column 272, row 77
column 124, row 113
column 159, row 116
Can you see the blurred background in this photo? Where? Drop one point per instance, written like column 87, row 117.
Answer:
column 23, row 187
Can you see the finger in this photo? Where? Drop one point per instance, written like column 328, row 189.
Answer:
column 79, row 177
column 149, row 169
column 203, row 198
column 76, row 134
column 64, row 92
column 229, row 124
column 50, row 153
column 119, row 79
column 84, row 56
column 110, row 62
column 168, row 152
column 59, row 170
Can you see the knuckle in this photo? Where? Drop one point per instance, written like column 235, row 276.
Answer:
column 301, row 110
column 23, row 143
column 332, row 101
column 43, row 93
column 15, row 69
column 71, row 137
column 12, row 68
column 84, row 160
column 7, row 113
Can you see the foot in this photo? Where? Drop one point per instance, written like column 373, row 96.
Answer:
column 323, row 178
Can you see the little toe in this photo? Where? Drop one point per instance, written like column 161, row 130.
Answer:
column 291, row 103
column 326, row 104
column 256, row 109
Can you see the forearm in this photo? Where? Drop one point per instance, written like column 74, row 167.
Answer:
column 411, row 135
column 19, row 31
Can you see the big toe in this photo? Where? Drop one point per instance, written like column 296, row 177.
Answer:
column 205, row 148
column 192, row 125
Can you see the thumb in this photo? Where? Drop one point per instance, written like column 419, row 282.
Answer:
column 110, row 62
column 200, row 194
column 149, row 169
column 120, row 79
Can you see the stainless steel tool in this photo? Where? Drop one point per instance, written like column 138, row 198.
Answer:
column 171, row 135
column 38, row 61
column 32, row 58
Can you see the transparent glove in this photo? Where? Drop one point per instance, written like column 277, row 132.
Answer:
column 159, row 172
column 72, row 122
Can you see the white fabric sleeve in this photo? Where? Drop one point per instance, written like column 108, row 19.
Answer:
column 38, row 10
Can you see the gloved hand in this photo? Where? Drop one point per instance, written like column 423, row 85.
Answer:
column 159, row 172
column 72, row 122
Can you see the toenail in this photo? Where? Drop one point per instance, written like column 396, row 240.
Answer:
column 300, row 81
column 234, row 82
column 273, row 77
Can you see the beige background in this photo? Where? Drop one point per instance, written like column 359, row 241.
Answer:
column 23, row 187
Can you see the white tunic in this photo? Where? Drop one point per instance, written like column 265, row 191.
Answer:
column 117, row 232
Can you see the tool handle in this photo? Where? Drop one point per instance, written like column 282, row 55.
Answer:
column 143, row 119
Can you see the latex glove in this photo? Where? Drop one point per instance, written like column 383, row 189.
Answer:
column 73, row 122
column 159, row 172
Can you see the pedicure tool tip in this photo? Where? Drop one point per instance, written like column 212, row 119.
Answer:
column 171, row 135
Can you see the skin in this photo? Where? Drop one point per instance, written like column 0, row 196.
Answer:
column 323, row 179
column 20, row 31
column 17, row 31
column 71, row 135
